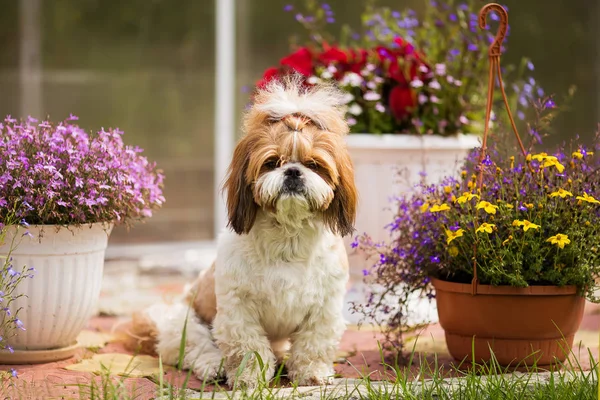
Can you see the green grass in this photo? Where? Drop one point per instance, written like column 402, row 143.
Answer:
column 428, row 381
column 477, row 381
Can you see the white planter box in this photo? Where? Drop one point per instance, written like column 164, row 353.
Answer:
column 63, row 293
column 378, row 162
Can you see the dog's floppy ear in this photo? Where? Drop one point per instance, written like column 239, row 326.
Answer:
column 241, row 207
column 341, row 213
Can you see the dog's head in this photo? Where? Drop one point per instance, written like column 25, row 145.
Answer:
column 292, row 161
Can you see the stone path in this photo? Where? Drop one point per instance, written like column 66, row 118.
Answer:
column 126, row 288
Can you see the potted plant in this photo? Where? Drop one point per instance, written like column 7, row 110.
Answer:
column 414, row 84
column 509, row 250
column 64, row 189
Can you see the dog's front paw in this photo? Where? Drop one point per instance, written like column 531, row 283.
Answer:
column 313, row 375
column 208, row 368
column 248, row 379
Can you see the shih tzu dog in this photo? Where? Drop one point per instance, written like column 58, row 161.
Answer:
column 278, row 283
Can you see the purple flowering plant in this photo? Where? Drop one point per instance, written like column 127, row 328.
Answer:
column 409, row 72
column 59, row 174
column 10, row 279
column 534, row 220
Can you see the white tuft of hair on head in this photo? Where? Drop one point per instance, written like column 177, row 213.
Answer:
column 288, row 96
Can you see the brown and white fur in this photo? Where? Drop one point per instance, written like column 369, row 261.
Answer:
column 281, row 270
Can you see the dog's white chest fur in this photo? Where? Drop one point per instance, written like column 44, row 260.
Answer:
column 280, row 280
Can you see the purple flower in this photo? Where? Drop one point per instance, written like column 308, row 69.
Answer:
column 19, row 324
column 494, row 16
column 10, row 349
column 330, row 20
column 396, row 14
column 454, row 52
column 49, row 167
column 326, row 6
column 521, row 115
column 434, row 259
column 472, row 47
column 452, row 17
column 365, row 272
column 550, row 104
column 530, row 66
column 288, row 7
column 13, row 372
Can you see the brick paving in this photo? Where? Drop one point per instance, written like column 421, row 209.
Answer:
column 359, row 348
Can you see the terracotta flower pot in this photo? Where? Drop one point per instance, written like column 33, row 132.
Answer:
column 520, row 325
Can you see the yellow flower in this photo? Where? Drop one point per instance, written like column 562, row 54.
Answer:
column 560, row 240
column 507, row 240
column 466, row 196
column 471, row 185
column 509, row 206
column 512, row 162
column 577, row 154
column 424, row 207
column 527, row 225
column 588, row 198
column 463, row 173
column 529, row 205
column 453, row 235
column 487, row 207
column 561, row 192
column 485, row 227
column 540, row 157
column 453, row 251
column 447, row 189
column 528, row 157
column 442, row 207
column 555, row 163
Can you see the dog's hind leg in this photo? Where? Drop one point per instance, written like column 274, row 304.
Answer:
column 201, row 354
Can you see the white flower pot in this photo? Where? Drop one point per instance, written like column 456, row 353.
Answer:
column 63, row 293
column 389, row 165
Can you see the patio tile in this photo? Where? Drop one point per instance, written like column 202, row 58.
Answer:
column 128, row 289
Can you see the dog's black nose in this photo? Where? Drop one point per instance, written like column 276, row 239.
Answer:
column 293, row 180
column 293, row 172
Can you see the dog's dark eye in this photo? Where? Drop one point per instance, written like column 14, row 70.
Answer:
column 270, row 164
column 312, row 165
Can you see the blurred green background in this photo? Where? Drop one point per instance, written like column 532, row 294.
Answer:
column 147, row 67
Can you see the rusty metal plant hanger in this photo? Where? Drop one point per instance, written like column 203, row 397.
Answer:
column 494, row 53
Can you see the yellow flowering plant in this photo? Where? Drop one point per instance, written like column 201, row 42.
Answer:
column 532, row 220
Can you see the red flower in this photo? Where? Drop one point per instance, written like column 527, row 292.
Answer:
column 333, row 55
column 358, row 60
column 268, row 76
column 301, row 61
column 401, row 101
